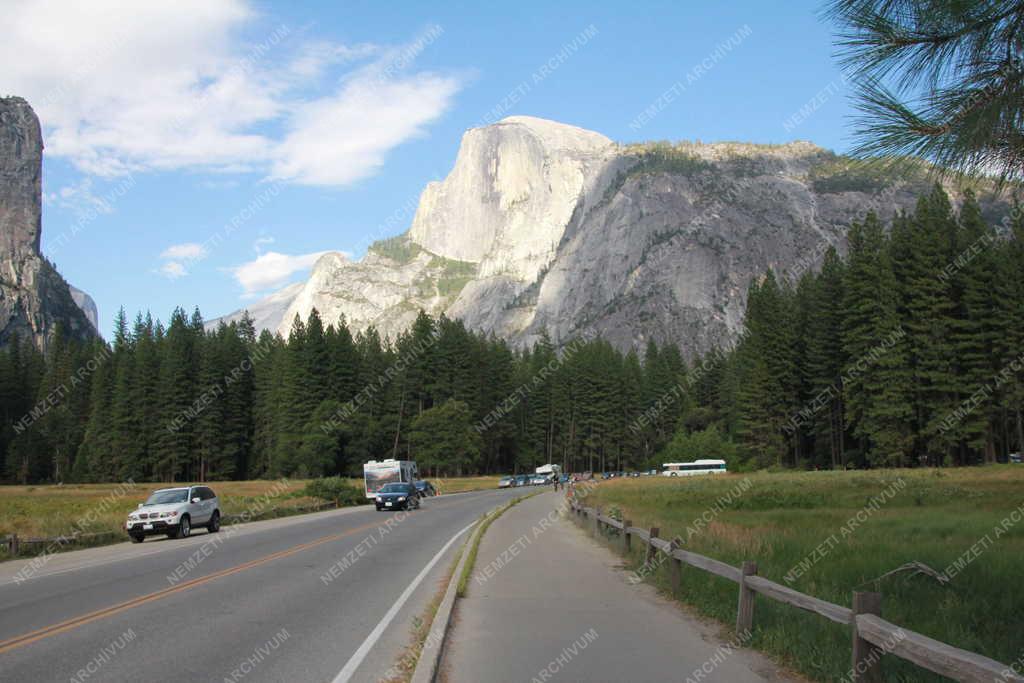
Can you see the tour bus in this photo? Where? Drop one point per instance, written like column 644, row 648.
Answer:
column 686, row 469
column 376, row 474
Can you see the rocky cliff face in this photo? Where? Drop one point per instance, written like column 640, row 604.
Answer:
column 34, row 298
column 87, row 304
column 542, row 226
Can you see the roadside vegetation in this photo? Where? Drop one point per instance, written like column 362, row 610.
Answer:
column 52, row 511
column 792, row 525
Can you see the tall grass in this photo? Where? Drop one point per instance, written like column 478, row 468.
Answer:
column 52, row 511
column 934, row 517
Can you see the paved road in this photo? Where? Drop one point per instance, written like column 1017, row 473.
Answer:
column 547, row 603
column 258, row 602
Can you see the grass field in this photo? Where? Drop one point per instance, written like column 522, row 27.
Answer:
column 834, row 532
column 51, row 511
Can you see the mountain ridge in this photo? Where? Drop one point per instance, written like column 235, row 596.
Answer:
column 546, row 228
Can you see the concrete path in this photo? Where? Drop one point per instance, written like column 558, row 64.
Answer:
column 547, row 603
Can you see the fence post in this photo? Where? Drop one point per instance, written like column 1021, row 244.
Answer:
column 675, row 567
column 650, row 545
column 597, row 524
column 13, row 547
column 745, row 608
column 627, row 539
column 867, row 658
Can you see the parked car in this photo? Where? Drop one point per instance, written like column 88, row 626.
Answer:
column 522, row 480
column 397, row 496
column 174, row 513
column 564, row 479
column 1016, row 458
column 425, row 488
column 538, row 480
column 506, row 482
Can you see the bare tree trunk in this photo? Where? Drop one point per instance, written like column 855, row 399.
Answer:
column 398, row 427
column 1020, row 431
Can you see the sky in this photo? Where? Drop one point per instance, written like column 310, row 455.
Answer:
column 206, row 152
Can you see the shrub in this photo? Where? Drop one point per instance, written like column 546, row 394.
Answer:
column 335, row 490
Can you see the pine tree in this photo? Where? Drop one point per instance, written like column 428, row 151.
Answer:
column 825, row 358
column 974, row 329
column 874, row 381
column 178, row 383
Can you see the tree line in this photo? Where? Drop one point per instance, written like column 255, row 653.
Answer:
column 905, row 352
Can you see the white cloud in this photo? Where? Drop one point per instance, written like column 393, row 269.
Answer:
column 79, row 198
column 172, row 270
column 123, row 86
column 260, row 241
column 177, row 257
column 377, row 117
column 189, row 251
column 271, row 269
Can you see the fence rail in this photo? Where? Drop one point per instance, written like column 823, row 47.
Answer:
column 872, row 635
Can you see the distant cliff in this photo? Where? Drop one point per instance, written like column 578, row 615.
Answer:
column 34, row 298
column 545, row 227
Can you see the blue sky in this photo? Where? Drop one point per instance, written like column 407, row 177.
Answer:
column 313, row 126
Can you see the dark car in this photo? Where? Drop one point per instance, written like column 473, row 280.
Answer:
column 522, row 480
column 425, row 488
column 397, row 496
column 1016, row 458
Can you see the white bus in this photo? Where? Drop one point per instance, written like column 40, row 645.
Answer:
column 376, row 474
column 687, row 469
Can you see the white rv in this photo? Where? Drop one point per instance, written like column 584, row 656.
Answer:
column 376, row 474
column 549, row 472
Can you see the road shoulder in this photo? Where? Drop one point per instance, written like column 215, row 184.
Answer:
column 546, row 602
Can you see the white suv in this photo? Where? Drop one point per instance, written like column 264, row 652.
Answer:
column 175, row 512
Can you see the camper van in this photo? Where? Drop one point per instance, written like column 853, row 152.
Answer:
column 548, row 472
column 377, row 474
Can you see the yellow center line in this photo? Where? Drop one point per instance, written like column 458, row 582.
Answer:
column 75, row 622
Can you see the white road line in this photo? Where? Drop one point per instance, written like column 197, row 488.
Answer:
column 357, row 658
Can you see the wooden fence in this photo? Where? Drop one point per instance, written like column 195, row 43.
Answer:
column 871, row 635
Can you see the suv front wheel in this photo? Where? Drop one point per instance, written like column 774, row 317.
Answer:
column 184, row 528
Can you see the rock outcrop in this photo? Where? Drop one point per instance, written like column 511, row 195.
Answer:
column 34, row 298
column 266, row 313
column 542, row 226
column 88, row 306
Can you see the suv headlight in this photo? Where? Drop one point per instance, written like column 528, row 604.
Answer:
column 401, row 498
column 379, row 499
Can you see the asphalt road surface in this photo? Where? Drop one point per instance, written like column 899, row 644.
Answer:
column 329, row 596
